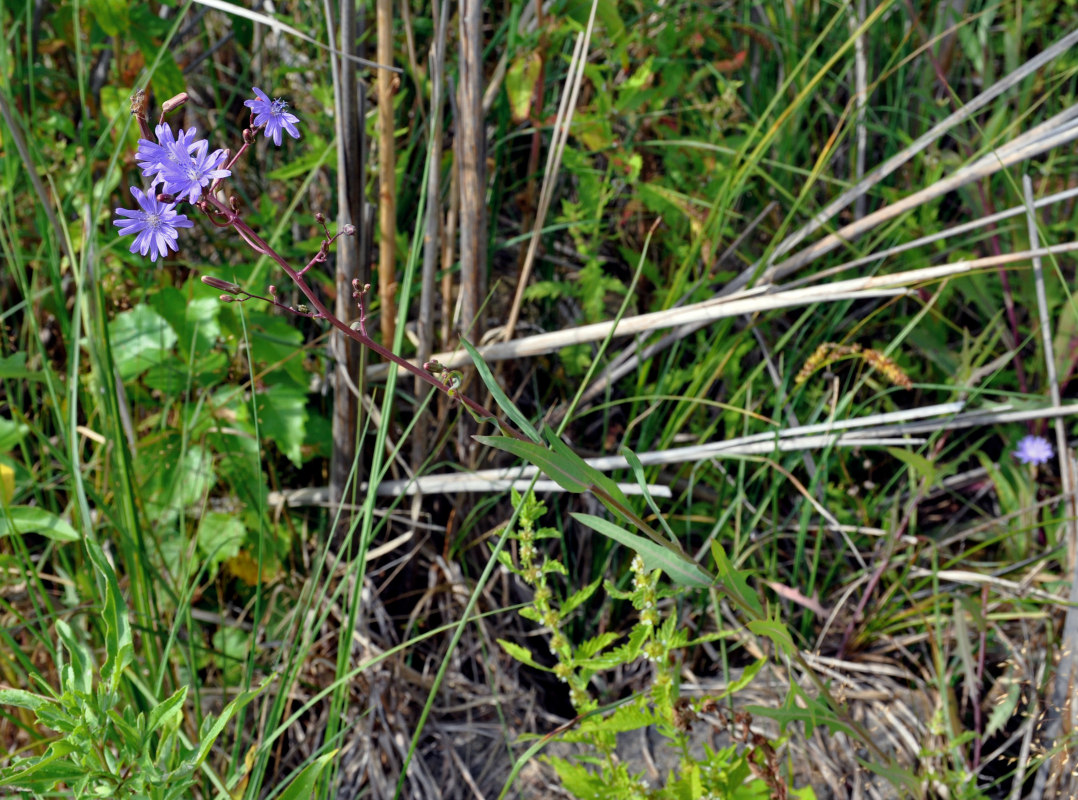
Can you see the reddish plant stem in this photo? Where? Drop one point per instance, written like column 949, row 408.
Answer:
column 257, row 243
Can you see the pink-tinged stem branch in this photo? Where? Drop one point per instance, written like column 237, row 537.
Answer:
column 360, row 336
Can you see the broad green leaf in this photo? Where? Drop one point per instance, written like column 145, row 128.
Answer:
column 14, row 366
column 1004, row 710
column 681, row 570
column 214, row 727
column 746, row 678
column 220, row 537
column 302, row 786
column 500, row 397
column 111, row 15
column 580, row 596
column 194, row 319
column 520, row 81
column 592, row 477
column 77, row 674
column 31, row 519
column 11, row 433
column 140, row 338
column 175, row 479
column 282, row 417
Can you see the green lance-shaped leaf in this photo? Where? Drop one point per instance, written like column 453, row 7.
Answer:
column 303, row 785
column 657, row 555
column 500, row 397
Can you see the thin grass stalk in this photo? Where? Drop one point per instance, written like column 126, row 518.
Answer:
column 939, row 129
column 387, row 177
column 1006, row 156
column 471, row 152
column 860, row 72
column 1063, row 680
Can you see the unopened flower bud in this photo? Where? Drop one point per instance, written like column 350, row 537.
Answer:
column 272, row 289
column 248, row 136
column 165, row 197
column 355, row 284
column 302, row 309
column 221, row 285
column 173, row 103
column 349, row 230
column 319, row 217
column 433, row 366
column 225, row 298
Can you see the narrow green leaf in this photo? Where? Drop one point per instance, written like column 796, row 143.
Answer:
column 167, row 710
column 23, row 699
column 565, row 474
column 734, row 580
column 641, row 481
column 776, row 632
column 31, row 519
column 920, row 465
column 500, row 397
column 302, row 786
column 680, row 569
column 521, row 654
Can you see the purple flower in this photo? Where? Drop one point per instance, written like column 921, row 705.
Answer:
column 1034, row 450
column 155, row 225
column 153, row 156
column 274, row 115
column 192, row 170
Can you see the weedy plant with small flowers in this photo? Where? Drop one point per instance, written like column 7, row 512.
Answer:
column 747, row 767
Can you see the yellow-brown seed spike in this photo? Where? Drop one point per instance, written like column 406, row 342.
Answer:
column 825, row 354
column 812, row 364
column 887, row 366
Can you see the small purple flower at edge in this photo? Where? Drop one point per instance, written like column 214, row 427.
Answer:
column 1034, row 450
column 155, row 225
column 274, row 115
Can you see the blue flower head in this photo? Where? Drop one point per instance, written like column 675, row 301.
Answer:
column 155, row 224
column 152, row 156
column 182, row 164
column 192, row 171
column 1034, row 450
column 274, row 115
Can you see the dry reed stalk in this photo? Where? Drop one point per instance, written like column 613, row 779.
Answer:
column 387, row 179
column 748, row 302
column 471, row 153
column 432, row 222
column 562, row 122
column 347, row 355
